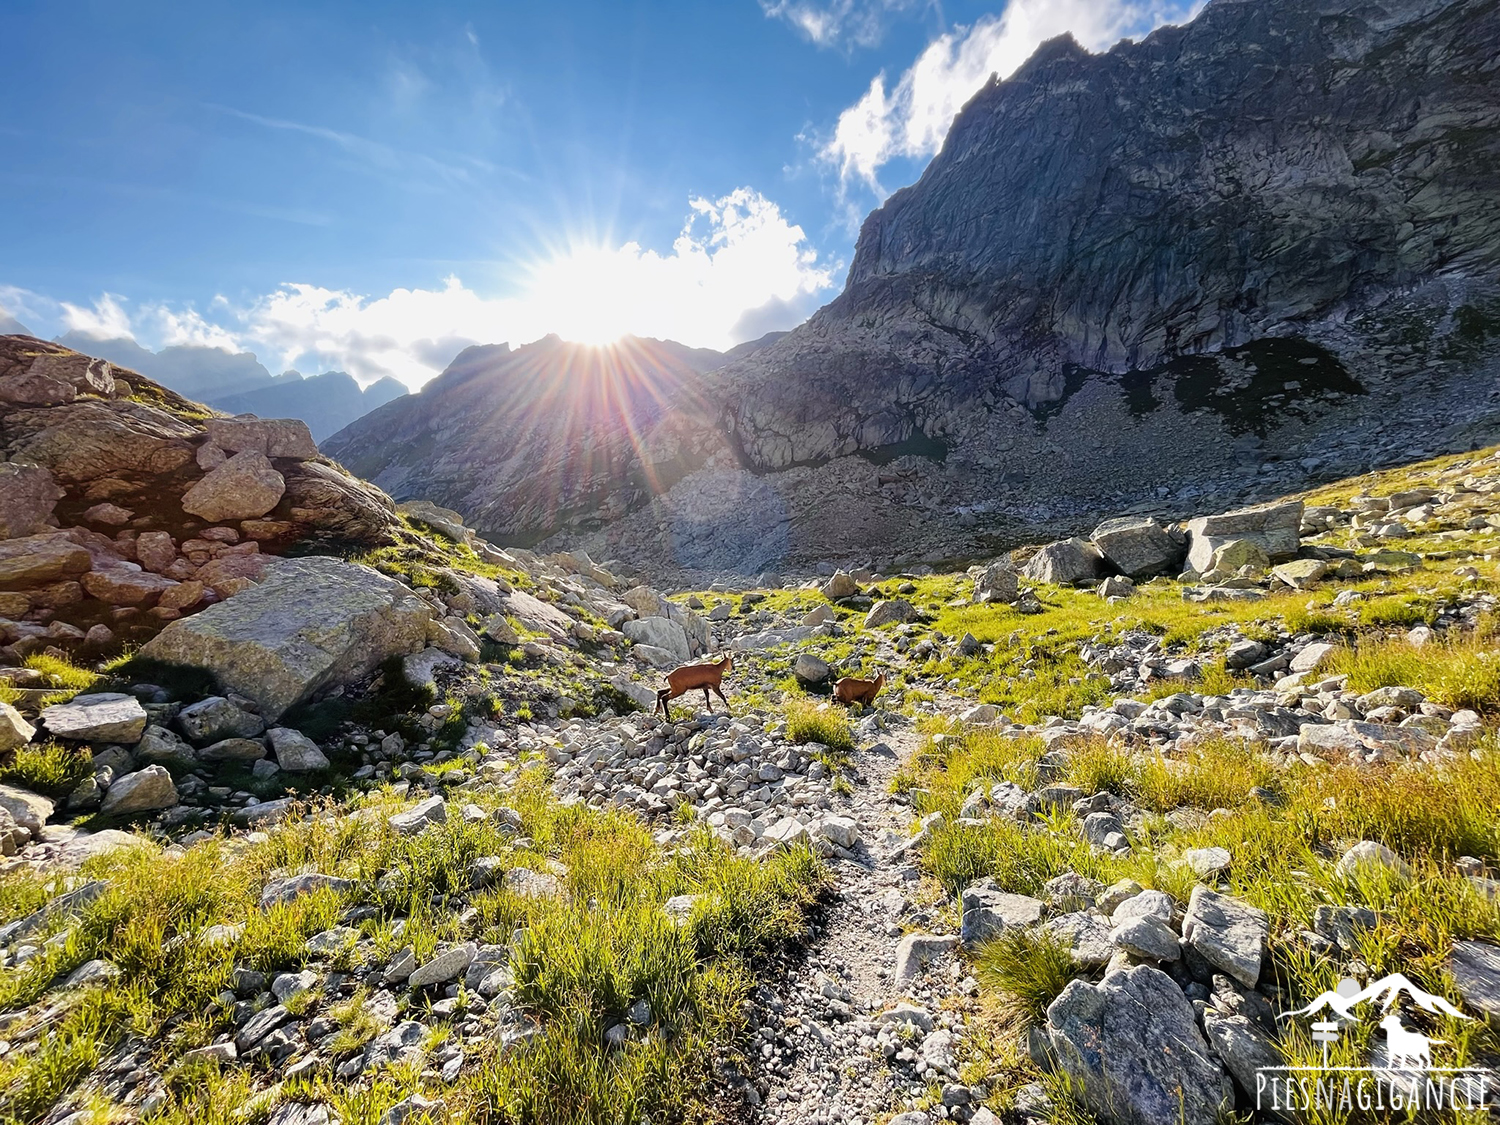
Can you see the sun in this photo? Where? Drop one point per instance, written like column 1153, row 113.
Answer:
column 584, row 295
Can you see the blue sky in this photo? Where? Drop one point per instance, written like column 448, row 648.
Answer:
column 371, row 185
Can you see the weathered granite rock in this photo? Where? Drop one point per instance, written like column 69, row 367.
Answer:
column 99, row 717
column 310, row 623
column 243, row 487
column 28, row 494
column 36, row 560
column 1133, row 1050
column 29, row 810
column 1475, row 967
column 145, row 790
column 998, row 583
column 14, row 729
column 890, row 612
column 1065, row 562
column 215, row 717
column 295, row 752
column 1227, row 933
column 660, row 633
column 988, row 911
column 1274, row 528
column 1138, row 546
column 287, row 438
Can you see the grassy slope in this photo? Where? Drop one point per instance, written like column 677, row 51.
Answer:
column 1284, row 852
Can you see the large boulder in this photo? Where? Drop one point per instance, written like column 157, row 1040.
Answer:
column 310, row 623
column 101, row 717
column 1274, row 528
column 243, row 487
column 1133, row 1050
column 1138, row 546
column 998, row 583
column 445, row 520
column 659, row 632
column 143, row 791
column 891, row 612
column 37, row 560
column 330, row 506
column 1065, row 562
column 91, row 439
column 27, row 496
column 286, row 438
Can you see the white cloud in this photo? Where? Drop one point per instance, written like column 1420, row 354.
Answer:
column 738, row 268
column 734, row 254
column 830, row 23
column 913, row 116
column 107, row 320
column 189, row 327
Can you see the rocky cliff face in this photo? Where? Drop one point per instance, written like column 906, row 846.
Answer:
column 1255, row 249
column 1266, row 171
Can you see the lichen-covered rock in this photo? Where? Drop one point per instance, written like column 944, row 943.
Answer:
column 243, row 487
column 311, row 622
column 1273, row 528
column 1133, row 1050
column 1138, row 546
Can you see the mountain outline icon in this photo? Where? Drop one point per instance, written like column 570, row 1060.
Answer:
column 1387, row 989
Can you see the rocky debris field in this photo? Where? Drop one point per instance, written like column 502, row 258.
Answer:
column 393, row 832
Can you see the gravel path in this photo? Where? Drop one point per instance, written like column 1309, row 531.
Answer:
column 815, row 1048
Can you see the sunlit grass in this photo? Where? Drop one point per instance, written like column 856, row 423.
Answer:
column 807, row 721
column 583, row 958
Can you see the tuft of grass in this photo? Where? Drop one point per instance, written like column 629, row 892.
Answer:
column 1029, row 967
column 48, row 768
column 68, row 678
column 1100, row 767
column 807, row 721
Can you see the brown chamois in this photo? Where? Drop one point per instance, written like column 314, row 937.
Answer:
column 854, row 690
column 690, row 676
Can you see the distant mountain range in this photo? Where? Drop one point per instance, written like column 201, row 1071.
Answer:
column 237, row 383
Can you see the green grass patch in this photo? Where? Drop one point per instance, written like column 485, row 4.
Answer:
column 48, row 768
column 807, row 721
column 582, row 960
column 1028, row 967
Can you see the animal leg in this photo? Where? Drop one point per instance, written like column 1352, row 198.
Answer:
column 707, row 702
column 720, row 694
